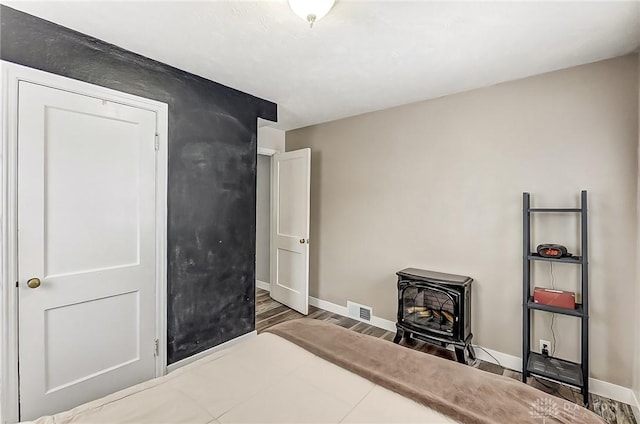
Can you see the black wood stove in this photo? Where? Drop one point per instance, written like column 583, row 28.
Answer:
column 435, row 308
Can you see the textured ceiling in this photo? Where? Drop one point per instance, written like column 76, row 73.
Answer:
column 363, row 55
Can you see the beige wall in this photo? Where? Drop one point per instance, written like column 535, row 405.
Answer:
column 438, row 185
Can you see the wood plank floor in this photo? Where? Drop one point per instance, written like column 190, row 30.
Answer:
column 269, row 313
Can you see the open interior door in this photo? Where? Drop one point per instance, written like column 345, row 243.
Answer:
column 290, row 201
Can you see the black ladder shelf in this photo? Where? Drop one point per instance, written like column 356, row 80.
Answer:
column 536, row 364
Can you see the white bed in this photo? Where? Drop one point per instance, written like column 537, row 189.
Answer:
column 264, row 379
column 298, row 372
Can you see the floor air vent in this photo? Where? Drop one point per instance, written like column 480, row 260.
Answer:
column 358, row 311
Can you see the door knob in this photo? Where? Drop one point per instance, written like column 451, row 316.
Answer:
column 33, row 283
column 301, row 241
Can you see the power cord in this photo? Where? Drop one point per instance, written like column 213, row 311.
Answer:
column 553, row 316
column 487, row 352
column 555, row 391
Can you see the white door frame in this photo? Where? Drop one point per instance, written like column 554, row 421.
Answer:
column 11, row 75
column 265, row 151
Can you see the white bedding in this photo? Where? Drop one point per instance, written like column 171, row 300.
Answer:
column 264, row 379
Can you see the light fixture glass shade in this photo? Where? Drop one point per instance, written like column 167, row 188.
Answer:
column 311, row 10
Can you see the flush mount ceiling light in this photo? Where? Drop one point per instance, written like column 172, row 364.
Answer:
column 311, row 10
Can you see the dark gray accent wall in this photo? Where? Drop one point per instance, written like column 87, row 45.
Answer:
column 212, row 173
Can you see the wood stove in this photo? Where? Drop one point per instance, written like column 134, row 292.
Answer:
column 436, row 308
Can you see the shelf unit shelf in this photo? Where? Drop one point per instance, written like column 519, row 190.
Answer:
column 577, row 312
column 569, row 260
column 555, row 369
column 561, row 210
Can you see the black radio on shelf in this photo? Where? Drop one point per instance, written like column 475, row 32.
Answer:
column 549, row 250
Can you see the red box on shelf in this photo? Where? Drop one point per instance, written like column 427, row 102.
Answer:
column 557, row 298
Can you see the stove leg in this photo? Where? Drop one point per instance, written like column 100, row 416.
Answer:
column 408, row 338
column 398, row 336
column 471, row 352
column 460, row 355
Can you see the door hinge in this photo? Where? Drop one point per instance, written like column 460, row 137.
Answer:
column 156, row 347
column 157, row 145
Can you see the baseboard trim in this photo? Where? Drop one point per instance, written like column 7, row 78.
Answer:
column 506, row 360
column 612, row 391
column 385, row 324
column 200, row 355
column 263, row 285
column 598, row 387
column 635, row 407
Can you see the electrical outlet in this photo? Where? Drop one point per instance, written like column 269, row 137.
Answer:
column 545, row 347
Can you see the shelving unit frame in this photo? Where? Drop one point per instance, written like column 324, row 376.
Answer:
column 536, row 364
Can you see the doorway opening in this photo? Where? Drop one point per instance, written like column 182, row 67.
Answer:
column 285, row 218
column 263, row 221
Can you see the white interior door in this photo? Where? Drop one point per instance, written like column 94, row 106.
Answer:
column 290, row 203
column 86, row 234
